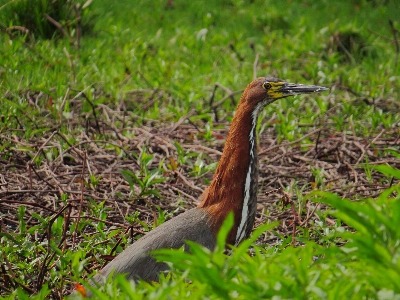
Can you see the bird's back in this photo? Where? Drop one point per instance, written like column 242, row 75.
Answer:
column 136, row 262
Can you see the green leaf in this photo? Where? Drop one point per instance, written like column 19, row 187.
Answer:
column 388, row 171
column 224, row 231
column 132, row 178
column 244, row 246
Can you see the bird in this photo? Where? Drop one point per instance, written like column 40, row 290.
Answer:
column 232, row 189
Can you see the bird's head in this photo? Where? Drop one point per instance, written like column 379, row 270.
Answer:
column 265, row 90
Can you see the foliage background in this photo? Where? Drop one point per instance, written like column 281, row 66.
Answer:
column 113, row 116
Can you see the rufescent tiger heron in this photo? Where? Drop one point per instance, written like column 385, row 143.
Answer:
column 233, row 188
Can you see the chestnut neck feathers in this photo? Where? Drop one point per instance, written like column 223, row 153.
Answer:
column 234, row 186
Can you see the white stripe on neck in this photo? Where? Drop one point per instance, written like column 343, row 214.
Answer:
column 241, row 231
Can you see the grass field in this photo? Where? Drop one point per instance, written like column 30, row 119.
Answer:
column 116, row 125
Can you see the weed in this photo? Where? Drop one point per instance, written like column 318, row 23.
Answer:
column 146, row 178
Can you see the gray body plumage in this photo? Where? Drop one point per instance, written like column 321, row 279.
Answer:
column 136, row 262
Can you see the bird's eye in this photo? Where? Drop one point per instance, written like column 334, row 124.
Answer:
column 266, row 86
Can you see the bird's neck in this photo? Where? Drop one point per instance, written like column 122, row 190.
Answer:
column 234, row 186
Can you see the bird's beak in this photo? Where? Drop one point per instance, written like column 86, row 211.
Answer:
column 291, row 89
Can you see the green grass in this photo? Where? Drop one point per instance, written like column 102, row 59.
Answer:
column 185, row 49
column 366, row 267
column 162, row 62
